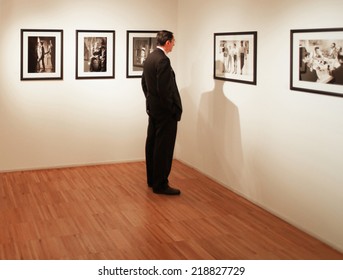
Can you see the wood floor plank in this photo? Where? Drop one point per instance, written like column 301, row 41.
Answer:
column 108, row 212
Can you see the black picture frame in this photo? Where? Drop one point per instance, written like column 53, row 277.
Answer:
column 41, row 54
column 139, row 43
column 95, row 54
column 316, row 61
column 230, row 48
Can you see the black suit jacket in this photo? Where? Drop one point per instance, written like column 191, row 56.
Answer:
column 159, row 87
column 338, row 75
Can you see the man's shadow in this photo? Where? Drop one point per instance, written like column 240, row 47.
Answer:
column 219, row 136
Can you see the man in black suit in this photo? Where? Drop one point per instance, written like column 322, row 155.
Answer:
column 163, row 105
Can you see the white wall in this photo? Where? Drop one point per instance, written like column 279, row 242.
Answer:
column 72, row 122
column 279, row 148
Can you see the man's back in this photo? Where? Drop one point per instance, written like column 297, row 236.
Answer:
column 159, row 86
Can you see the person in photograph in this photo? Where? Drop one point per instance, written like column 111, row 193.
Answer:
column 230, row 68
column 164, row 108
column 103, row 57
column 307, row 72
column 234, row 55
column 319, row 60
column 94, row 61
column 232, row 58
column 246, row 55
column 337, row 73
column 242, row 56
column 152, row 46
column 333, row 57
column 225, row 58
column 318, row 55
column 321, row 65
column 40, row 57
column 98, row 58
column 333, row 52
column 142, row 55
column 32, row 59
column 50, row 57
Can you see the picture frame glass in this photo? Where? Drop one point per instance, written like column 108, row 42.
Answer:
column 139, row 45
column 95, row 54
column 41, row 54
column 316, row 61
column 235, row 57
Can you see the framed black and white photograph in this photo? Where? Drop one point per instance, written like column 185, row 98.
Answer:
column 139, row 45
column 235, row 57
column 95, row 54
column 41, row 54
column 316, row 61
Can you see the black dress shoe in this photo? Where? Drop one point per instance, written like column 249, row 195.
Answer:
column 167, row 191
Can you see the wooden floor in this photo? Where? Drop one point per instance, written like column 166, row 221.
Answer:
column 108, row 212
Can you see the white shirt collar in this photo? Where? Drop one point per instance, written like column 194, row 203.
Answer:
column 159, row 47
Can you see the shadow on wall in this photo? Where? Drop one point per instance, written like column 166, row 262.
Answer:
column 219, row 136
column 211, row 135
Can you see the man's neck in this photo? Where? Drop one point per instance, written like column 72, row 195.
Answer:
column 161, row 48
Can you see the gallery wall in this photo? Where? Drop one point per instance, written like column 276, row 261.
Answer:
column 281, row 149
column 73, row 122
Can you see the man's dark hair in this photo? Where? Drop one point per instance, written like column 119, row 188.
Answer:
column 164, row 36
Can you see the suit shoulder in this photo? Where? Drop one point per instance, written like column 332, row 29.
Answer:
column 156, row 57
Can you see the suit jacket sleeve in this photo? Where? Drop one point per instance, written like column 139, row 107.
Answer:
column 145, row 91
column 167, row 88
column 144, row 86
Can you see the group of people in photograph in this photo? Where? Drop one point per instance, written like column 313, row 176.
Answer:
column 322, row 64
column 235, row 56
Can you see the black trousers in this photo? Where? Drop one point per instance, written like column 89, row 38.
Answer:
column 159, row 151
